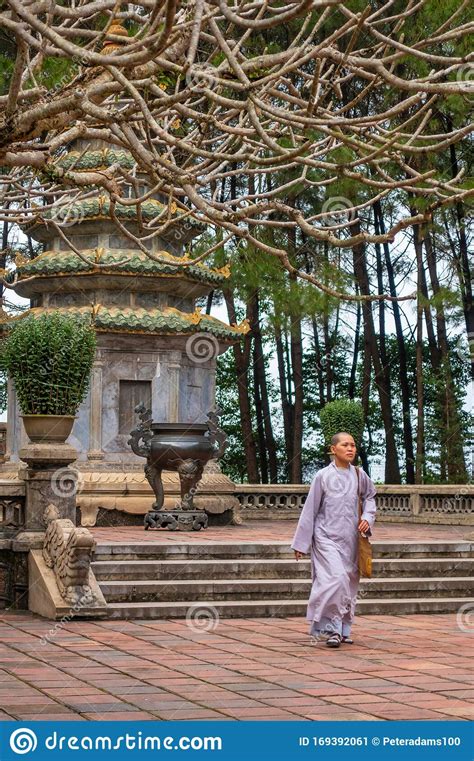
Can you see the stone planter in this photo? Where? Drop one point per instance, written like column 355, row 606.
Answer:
column 46, row 429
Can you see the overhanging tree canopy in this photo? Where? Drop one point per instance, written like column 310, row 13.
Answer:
column 343, row 102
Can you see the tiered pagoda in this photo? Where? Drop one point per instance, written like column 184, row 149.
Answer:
column 154, row 346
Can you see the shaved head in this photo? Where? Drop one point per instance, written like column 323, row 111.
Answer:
column 338, row 436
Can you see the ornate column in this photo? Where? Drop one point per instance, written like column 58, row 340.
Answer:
column 49, row 480
column 174, row 367
column 95, row 413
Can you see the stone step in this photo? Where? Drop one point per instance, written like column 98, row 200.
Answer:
column 407, row 606
column 250, row 568
column 291, row 589
column 426, row 567
column 215, row 609
column 154, row 550
column 200, row 569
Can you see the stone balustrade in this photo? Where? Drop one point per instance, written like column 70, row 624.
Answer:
column 430, row 503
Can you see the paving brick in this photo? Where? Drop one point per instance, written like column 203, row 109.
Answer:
column 122, row 716
column 251, row 669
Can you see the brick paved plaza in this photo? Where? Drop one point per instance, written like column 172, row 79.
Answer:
column 276, row 530
column 408, row 667
column 400, row 667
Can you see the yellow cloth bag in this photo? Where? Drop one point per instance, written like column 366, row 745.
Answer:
column 365, row 547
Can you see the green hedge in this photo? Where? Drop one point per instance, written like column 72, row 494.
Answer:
column 342, row 415
column 50, row 359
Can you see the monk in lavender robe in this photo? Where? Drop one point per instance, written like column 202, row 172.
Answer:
column 328, row 527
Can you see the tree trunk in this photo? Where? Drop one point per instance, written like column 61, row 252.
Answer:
column 355, row 355
column 430, row 331
column 3, row 256
column 262, row 450
column 451, row 431
column 466, row 277
column 297, row 367
column 317, row 348
column 328, row 365
column 392, row 469
column 296, row 350
column 264, row 419
column 420, row 413
column 402, row 356
column 285, row 400
column 242, row 362
column 210, row 297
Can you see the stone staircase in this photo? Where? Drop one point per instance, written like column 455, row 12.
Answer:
column 161, row 580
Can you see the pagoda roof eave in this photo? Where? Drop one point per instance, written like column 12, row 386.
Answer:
column 123, row 263
column 153, row 321
column 77, row 214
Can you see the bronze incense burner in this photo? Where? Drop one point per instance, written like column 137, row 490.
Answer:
column 185, row 448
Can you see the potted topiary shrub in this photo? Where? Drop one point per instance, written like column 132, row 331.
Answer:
column 49, row 357
column 342, row 415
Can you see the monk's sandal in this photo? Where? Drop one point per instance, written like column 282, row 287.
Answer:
column 334, row 640
column 319, row 637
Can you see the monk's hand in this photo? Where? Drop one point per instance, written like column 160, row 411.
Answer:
column 363, row 527
column 298, row 555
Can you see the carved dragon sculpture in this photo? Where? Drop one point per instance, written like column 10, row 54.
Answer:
column 67, row 550
column 217, row 436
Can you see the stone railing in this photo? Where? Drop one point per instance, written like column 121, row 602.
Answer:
column 61, row 581
column 416, row 504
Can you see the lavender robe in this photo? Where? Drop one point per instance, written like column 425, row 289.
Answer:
column 328, row 527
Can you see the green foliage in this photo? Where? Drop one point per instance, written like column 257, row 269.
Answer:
column 50, row 359
column 342, row 415
column 233, row 462
column 6, row 68
column 433, row 382
column 3, row 391
column 57, row 72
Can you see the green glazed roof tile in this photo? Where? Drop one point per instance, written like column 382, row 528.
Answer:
column 152, row 321
column 98, row 207
column 87, row 160
column 60, row 263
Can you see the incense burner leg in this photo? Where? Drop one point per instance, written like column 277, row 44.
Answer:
column 153, row 476
column 190, row 473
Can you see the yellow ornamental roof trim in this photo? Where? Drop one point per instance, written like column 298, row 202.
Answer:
column 243, row 327
column 225, row 270
column 117, row 29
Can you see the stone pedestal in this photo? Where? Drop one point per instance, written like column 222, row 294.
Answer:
column 48, row 480
column 176, row 520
